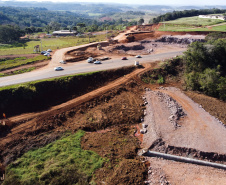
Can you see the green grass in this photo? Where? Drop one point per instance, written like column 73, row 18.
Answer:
column 192, row 24
column 52, row 43
column 219, row 28
column 45, row 165
column 20, row 71
column 184, row 27
column 195, row 21
column 9, row 64
column 175, row 27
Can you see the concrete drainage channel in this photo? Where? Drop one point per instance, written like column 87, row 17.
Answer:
column 148, row 153
column 158, row 144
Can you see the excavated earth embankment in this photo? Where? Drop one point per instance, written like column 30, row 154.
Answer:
column 180, row 122
column 174, row 124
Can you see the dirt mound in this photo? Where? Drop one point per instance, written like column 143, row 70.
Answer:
column 77, row 56
column 125, row 173
column 119, row 146
column 119, row 106
column 161, row 146
column 176, row 40
column 212, row 105
column 127, row 48
column 49, row 93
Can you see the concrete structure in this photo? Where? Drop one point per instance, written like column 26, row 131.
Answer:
column 64, row 33
column 221, row 17
column 149, row 153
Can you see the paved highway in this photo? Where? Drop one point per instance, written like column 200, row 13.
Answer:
column 81, row 67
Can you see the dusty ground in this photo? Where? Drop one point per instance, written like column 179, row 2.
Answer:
column 119, row 146
column 170, row 172
column 179, row 126
column 116, row 104
column 182, row 123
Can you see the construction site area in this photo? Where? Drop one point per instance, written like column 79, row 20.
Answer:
column 126, row 119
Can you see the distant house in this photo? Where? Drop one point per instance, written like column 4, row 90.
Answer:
column 64, row 33
column 221, row 17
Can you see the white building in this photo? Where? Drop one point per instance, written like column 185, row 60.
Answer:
column 221, row 17
column 64, row 33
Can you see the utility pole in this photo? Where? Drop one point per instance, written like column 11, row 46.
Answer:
column 41, row 44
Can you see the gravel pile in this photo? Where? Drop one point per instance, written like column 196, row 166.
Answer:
column 175, row 109
column 178, row 40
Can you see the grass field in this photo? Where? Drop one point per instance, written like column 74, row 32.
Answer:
column 171, row 27
column 196, row 21
column 219, row 28
column 193, row 24
column 16, row 62
column 20, row 71
column 52, row 43
column 61, row 162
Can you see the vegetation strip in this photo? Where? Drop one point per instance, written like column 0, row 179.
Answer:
column 12, row 63
column 61, row 162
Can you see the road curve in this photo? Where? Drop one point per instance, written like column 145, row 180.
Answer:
column 79, row 67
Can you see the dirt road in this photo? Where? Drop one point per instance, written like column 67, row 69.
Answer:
column 195, row 128
column 65, row 106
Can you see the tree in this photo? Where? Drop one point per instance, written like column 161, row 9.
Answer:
column 54, row 26
column 81, row 25
column 10, row 33
column 141, row 21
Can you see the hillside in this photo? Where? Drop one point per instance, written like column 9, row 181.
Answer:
column 103, row 126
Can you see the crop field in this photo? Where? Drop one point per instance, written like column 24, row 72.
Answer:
column 46, row 43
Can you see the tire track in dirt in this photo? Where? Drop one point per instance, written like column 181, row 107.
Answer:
column 33, row 118
column 206, row 131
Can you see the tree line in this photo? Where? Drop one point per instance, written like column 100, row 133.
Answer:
column 15, row 22
column 205, row 66
column 186, row 13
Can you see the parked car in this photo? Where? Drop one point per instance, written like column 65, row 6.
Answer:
column 138, row 56
column 124, row 58
column 58, row 68
column 47, row 54
column 90, row 59
column 63, row 62
column 49, row 50
column 43, row 52
column 97, row 62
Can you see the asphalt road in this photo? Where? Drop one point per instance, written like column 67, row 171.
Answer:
column 81, row 67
